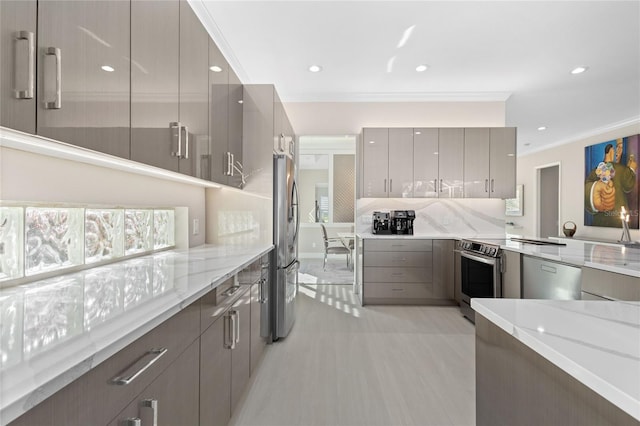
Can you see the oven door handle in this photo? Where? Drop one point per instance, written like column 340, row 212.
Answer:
column 487, row 260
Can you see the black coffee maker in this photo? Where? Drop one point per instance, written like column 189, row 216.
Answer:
column 401, row 221
column 381, row 223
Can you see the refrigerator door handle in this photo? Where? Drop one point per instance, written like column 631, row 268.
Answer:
column 294, row 194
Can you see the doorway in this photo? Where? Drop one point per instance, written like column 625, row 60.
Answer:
column 548, row 179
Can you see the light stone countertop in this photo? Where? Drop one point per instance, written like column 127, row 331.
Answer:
column 596, row 342
column 603, row 256
column 54, row 330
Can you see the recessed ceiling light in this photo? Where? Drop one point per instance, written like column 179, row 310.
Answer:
column 215, row 68
column 418, row 133
column 240, row 101
column 578, row 70
column 315, row 68
column 542, row 128
column 107, row 68
column 372, row 141
column 421, row 68
column 511, row 154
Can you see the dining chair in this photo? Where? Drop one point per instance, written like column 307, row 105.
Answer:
column 333, row 246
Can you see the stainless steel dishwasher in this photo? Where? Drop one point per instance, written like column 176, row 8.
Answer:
column 545, row 279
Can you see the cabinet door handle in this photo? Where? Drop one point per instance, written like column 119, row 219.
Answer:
column 227, row 332
column 30, row 38
column 390, row 186
column 492, row 185
column 397, row 274
column 186, row 142
column 57, row 54
column 385, row 185
column 237, row 330
column 229, row 171
column 153, row 405
column 440, row 185
column 175, row 127
column 486, row 185
column 138, row 367
column 132, row 421
column 435, row 185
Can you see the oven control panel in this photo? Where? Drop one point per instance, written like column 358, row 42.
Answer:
column 484, row 249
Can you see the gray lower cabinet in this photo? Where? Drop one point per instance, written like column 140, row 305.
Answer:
column 225, row 350
column 18, row 56
column 407, row 271
column 172, row 398
column 215, row 374
column 94, row 398
column 511, row 281
column 598, row 284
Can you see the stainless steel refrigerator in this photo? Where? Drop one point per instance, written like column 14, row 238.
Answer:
column 286, row 226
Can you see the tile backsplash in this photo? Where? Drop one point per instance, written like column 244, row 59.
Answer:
column 36, row 240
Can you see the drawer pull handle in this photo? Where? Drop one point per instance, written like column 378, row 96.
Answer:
column 231, row 290
column 139, row 367
column 397, row 289
column 397, row 274
column 133, row 421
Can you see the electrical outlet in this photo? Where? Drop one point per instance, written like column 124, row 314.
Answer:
column 196, row 226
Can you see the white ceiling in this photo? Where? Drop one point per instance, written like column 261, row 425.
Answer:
column 518, row 51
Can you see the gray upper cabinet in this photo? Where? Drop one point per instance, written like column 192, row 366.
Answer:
column 425, row 163
column 235, row 101
column 400, row 163
column 218, row 113
column 388, row 162
column 490, row 162
column 502, row 163
column 476, row 162
column 225, row 120
column 155, row 44
column 169, row 87
column 18, row 64
column 194, row 93
column 450, row 162
column 375, row 153
column 83, row 74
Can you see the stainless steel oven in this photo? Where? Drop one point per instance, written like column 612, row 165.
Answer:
column 481, row 274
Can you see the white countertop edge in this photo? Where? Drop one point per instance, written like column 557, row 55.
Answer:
column 91, row 356
column 620, row 399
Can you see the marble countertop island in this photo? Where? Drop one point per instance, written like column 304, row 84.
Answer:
column 54, row 330
column 596, row 342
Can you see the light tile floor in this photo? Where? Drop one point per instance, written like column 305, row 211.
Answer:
column 344, row 364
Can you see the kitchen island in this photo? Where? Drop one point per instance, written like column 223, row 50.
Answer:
column 557, row 362
column 56, row 330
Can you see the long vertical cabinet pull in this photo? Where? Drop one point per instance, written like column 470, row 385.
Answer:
column 230, row 330
column 57, row 54
column 177, row 128
column 27, row 93
column 151, row 404
column 390, row 186
column 186, row 142
column 236, row 333
column 492, row 185
column 486, row 185
column 435, row 185
column 385, row 185
column 230, row 159
column 440, row 185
